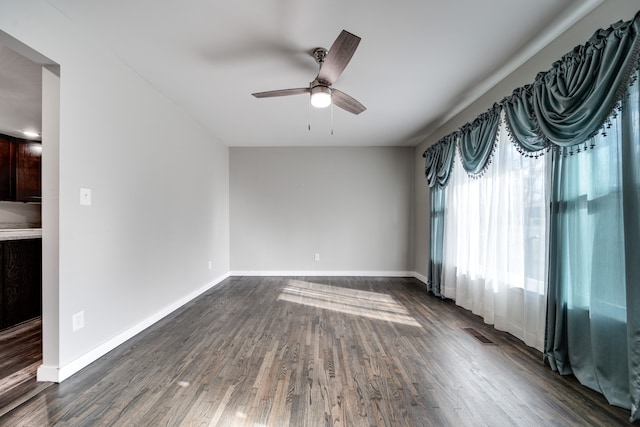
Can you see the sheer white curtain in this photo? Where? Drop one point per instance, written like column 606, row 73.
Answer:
column 495, row 242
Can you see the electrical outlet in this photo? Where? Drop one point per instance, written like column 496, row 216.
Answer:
column 317, row 257
column 210, row 264
column 78, row 320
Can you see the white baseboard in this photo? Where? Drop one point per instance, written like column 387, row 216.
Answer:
column 48, row 373
column 59, row 374
column 272, row 273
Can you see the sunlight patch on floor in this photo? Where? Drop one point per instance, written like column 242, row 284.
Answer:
column 372, row 305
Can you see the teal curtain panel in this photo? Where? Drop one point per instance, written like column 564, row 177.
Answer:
column 436, row 246
column 631, row 199
column 593, row 326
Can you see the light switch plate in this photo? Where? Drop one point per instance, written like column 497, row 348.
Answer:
column 78, row 320
column 85, row 196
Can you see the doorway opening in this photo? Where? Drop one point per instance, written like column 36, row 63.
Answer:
column 28, row 336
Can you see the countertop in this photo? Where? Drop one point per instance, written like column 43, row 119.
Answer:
column 20, row 233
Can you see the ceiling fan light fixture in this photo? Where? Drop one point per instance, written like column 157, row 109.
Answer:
column 320, row 96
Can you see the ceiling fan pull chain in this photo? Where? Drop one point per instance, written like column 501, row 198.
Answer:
column 309, row 116
column 332, row 119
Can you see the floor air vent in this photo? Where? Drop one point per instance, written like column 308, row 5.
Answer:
column 477, row 335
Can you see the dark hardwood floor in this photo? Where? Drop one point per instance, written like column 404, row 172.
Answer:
column 318, row 352
column 20, row 356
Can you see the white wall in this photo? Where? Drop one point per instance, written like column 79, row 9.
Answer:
column 160, row 192
column 603, row 16
column 350, row 205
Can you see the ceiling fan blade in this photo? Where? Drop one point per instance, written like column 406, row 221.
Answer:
column 281, row 92
column 338, row 57
column 347, row 103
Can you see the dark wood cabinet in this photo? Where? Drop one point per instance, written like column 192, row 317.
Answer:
column 7, row 168
column 28, row 171
column 20, row 281
column 20, row 169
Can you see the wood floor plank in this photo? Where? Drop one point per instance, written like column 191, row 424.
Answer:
column 318, row 351
column 20, row 346
column 20, row 356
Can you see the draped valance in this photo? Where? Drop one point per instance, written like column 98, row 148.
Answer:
column 439, row 161
column 477, row 141
column 521, row 124
column 564, row 106
column 572, row 101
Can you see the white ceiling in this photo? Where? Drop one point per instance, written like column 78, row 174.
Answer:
column 419, row 61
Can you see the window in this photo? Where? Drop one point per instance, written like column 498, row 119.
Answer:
column 495, row 247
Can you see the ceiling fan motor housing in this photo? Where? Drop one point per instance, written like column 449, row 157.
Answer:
column 320, row 54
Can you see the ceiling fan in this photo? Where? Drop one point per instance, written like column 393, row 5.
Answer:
column 332, row 63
